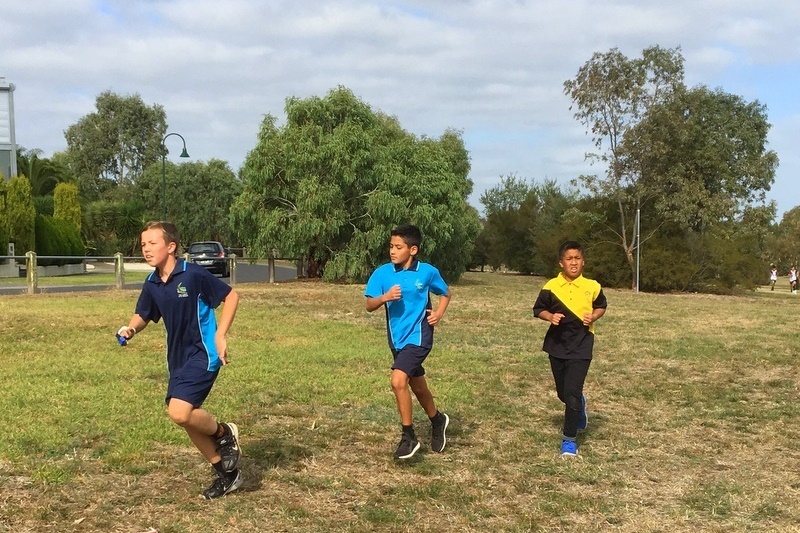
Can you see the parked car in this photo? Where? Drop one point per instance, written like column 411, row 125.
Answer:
column 210, row 255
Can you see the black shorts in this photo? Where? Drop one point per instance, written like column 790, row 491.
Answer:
column 409, row 359
column 191, row 383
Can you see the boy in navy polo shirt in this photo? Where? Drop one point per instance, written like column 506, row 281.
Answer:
column 185, row 296
column 403, row 287
column 571, row 304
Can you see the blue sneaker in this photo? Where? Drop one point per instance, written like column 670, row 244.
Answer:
column 569, row 448
column 584, row 421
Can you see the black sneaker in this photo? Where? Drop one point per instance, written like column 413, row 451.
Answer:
column 439, row 432
column 407, row 448
column 228, row 448
column 224, row 484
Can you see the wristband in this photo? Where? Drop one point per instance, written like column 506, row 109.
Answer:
column 124, row 328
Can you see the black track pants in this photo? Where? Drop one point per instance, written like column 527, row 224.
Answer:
column 569, row 375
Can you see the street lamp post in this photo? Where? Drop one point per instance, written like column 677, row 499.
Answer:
column 184, row 153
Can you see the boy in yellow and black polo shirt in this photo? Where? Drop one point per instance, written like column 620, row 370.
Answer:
column 571, row 304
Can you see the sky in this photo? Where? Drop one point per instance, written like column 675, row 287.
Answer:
column 492, row 69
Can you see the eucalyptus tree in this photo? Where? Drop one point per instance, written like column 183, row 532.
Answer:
column 199, row 198
column 706, row 157
column 113, row 145
column 332, row 182
column 503, row 235
column 524, row 222
column 611, row 94
column 781, row 248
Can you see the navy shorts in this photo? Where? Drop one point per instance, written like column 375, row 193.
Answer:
column 409, row 359
column 191, row 383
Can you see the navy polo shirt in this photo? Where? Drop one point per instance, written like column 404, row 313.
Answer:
column 186, row 302
column 406, row 318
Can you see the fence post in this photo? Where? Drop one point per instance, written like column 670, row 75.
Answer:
column 301, row 263
column 119, row 271
column 232, row 269
column 271, row 263
column 32, row 275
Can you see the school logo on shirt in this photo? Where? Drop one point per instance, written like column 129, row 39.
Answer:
column 419, row 285
column 182, row 293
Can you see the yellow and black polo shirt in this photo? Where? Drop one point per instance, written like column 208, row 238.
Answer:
column 570, row 339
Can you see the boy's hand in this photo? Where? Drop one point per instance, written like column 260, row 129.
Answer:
column 556, row 318
column 222, row 348
column 588, row 319
column 126, row 332
column 433, row 317
column 393, row 294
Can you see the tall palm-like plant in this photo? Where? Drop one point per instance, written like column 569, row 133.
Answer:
column 42, row 173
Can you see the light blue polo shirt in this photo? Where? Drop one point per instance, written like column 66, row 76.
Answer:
column 406, row 318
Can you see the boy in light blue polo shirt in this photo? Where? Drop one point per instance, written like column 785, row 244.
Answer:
column 403, row 288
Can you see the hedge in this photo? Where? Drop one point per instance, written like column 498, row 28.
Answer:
column 57, row 237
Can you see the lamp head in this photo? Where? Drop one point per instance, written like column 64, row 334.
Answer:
column 184, row 153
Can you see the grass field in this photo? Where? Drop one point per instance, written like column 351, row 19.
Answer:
column 692, row 400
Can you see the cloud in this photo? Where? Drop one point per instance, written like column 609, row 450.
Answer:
column 491, row 68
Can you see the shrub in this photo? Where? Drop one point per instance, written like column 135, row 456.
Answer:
column 66, row 205
column 57, row 237
column 3, row 238
column 3, row 218
column 20, row 213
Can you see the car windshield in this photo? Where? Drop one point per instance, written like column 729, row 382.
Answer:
column 203, row 249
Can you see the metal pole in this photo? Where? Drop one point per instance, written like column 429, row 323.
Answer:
column 638, row 243
column 163, row 186
column 184, row 153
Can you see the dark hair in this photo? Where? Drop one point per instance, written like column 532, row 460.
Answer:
column 169, row 230
column 411, row 235
column 569, row 245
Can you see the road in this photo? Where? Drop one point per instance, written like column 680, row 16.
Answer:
column 245, row 273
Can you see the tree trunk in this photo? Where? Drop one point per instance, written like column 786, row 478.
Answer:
column 632, row 265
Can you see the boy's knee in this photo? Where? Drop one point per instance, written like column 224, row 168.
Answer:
column 419, row 385
column 180, row 417
column 399, row 381
column 574, row 402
